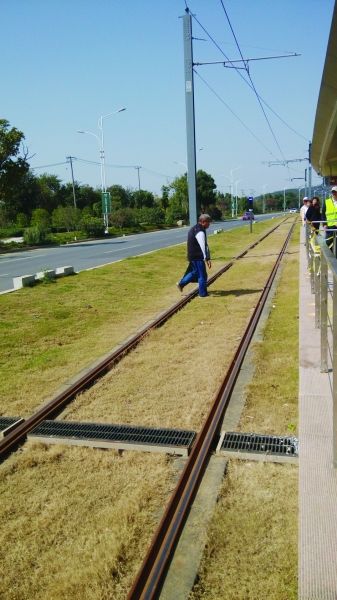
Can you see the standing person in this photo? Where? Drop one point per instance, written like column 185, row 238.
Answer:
column 198, row 255
column 304, row 209
column 313, row 214
column 329, row 215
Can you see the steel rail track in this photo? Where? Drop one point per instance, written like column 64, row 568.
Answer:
column 11, row 441
column 151, row 576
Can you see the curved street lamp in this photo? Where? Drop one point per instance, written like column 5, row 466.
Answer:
column 100, row 139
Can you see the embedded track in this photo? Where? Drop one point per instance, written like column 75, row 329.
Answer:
column 18, row 435
column 150, row 578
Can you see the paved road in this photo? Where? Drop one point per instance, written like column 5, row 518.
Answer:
column 86, row 255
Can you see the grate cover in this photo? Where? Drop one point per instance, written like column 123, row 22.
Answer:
column 254, row 442
column 115, row 434
column 8, row 422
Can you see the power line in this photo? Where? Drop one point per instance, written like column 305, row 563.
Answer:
column 246, row 81
column 251, row 81
column 53, row 165
column 234, row 114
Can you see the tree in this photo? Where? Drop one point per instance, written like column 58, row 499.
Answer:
column 164, row 201
column 152, row 216
column 120, row 197
column 178, row 202
column 40, row 218
column 66, row 217
column 86, row 196
column 13, row 167
column 93, row 226
column 174, row 212
column 205, row 190
column 21, row 220
column 142, row 199
column 49, row 191
column 124, row 217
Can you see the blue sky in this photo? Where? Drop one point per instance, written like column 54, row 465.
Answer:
column 65, row 63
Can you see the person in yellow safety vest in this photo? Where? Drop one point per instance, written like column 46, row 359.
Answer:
column 329, row 216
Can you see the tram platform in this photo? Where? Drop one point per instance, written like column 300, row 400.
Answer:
column 317, row 477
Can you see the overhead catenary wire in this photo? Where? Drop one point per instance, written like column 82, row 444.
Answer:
column 252, row 83
column 234, row 114
column 247, row 81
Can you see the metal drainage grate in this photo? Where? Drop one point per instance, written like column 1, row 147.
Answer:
column 258, row 443
column 7, row 424
column 119, row 436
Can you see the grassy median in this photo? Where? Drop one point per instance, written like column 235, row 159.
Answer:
column 50, row 332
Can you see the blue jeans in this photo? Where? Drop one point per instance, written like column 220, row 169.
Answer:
column 196, row 272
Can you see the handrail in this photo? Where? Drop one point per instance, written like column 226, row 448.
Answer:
column 322, row 264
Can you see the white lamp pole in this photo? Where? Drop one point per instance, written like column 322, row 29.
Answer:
column 236, row 196
column 232, row 190
column 100, row 140
column 102, row 152
column 263, row 198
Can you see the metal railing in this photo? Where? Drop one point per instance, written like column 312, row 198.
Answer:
column 322, row 264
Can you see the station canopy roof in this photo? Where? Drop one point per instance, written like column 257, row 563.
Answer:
column 324, row 141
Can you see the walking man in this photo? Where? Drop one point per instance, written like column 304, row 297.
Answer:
column 198, row 256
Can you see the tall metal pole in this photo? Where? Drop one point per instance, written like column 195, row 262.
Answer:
column 70, row 158
column 103, row 177
column 310, row 169
column 138, row 177
column 190, row 119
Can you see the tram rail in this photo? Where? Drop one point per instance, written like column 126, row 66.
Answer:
column 151, row 576
column 56, row 404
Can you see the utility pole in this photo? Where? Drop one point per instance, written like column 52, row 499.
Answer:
column 138, row 177
column 190, row 119
column 309, row 159
column 70, row 159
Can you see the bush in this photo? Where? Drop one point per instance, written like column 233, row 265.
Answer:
column 93, row 226
column 124, row 217
column 34, row 236
column 8, row 232
column 153, row 216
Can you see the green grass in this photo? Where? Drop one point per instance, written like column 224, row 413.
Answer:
column 53, row 331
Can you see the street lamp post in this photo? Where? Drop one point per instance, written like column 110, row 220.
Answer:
column 100, row 140
column 236, row 196
column 264, row 198
column 230, row 178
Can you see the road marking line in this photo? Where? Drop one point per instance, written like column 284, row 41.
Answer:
column 23, row 258
column 121, row 249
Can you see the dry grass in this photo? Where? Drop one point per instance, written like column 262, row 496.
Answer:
column 75, row 522
column 79, row 522
column 251, row 552
column 157, row 386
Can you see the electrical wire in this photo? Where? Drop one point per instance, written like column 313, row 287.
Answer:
column 246, row 81
column 234, row 114
column 53, row 165
column 252, row 83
